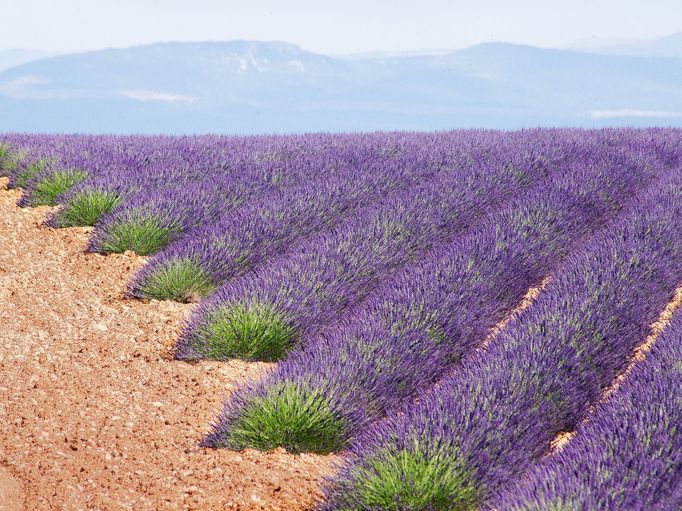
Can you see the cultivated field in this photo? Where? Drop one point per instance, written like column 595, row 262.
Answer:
column 456, row 320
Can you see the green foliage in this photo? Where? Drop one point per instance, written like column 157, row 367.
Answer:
column 87, row 208
column 47, row 190
column 5, row 153
column 9, row 159
column 143, row 236
column 181, row 280
column 414, row 317
column 298, row 420
column 251, row 332
column 414, row 479
column 29, row 172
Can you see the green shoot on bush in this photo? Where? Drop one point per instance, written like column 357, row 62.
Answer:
column 143, row 236
column 289, row 417
column 250, row 332
column 47, row 190
column 182, row 280
column 87, row 208
column 411, row 479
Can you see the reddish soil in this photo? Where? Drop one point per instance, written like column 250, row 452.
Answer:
column 95, row 413
column 11, row 498
column 527, row 300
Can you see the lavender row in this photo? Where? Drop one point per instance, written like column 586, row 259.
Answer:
column 627, row 454
column 499, row 413
column 170, row 215
column 48, row 167
column 264, row 313
column 245, row 238
column 406, row 335
column 78, row 159
column 156, row 164
column 149, row 178
column 27, row 155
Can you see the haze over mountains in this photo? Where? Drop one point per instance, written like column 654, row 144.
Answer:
column 274, row 87
column 16, row 57
column 670, row 46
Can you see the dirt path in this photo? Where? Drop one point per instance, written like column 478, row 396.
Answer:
column 94, row 413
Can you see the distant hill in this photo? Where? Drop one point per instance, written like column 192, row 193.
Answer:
column 258, row 87
column 668, row 47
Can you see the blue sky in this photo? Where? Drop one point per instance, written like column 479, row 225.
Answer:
column 332, row 27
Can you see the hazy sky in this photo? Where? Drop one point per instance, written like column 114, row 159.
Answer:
column 331, row 27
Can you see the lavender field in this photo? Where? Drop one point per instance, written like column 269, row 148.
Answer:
column 436, row 309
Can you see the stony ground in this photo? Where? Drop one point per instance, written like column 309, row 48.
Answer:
column 95, row 413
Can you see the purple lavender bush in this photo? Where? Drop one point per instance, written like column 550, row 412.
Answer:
column 244, row 238
column 45, row 166
column 64, row 164
column 87, row 203
column 52, row 165
column 368, row 366
column 627, row 454
column 75, row 161
column 31, row 155
column 10, row 156
column 48, row 185
column 80, row 159
column 479, row 428
column 263, row 314
column 123, row 167
column 314, row 158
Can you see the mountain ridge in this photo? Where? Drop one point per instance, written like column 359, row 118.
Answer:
column 272, row 86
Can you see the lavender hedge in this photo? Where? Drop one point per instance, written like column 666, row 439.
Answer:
column 308, row 160
column 143, row 166
column 9, row 159
column 150, row 165
column 198, row 262
column 30, row 154
column 499, row 413
column 405, row 336
column 628, row 452
column 263, row 314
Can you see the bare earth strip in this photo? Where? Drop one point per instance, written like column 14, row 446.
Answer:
column 527, row 300
column 94, row 413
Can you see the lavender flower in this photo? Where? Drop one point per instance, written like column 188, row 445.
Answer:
column 498, row 414
column 405, row 337
column 329, row 272
column 627, row 454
